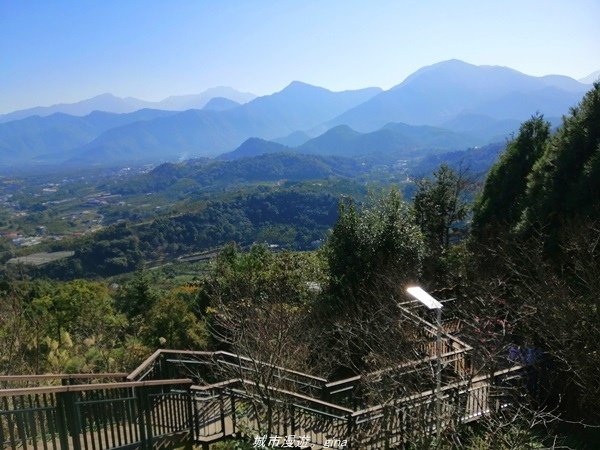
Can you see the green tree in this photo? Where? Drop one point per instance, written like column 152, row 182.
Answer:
column 136, row 296
column 261, row 274
column 81, row 326
column 565, row 180
column 440, row 210
column 502, row 201
column 373, row 253
column 171, row 323
column 378, row 242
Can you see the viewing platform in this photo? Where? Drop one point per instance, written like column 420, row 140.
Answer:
column 193, row 398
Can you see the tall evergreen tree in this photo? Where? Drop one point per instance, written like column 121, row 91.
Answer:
column 378, row 242
column 565, row 181
column 501, row 203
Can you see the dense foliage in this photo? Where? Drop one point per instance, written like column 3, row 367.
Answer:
column 542, row 180
column 536, row 228
column 198, row 175
column 287, row 218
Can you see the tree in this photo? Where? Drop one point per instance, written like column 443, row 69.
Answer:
column 171, row 323
column 372, row 252
column 136, row 296
column 76, row 326
column 500, row 205
column 257, row 305
column 541, row 203
column 380, row 241
column 260, row 273
column 440, row 209
column 564, row 182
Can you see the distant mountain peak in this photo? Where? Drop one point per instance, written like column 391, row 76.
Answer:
column 342, row 129
column 220, row 104
column 452, row 62
column 300, row 86
column 452, row 67
column 104, row 95
column 254, row 146
column 591, row 78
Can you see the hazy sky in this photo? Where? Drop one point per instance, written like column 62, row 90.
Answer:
column 64, row 51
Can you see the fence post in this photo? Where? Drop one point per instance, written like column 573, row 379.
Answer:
column 292, row 418
column 144, row 417
column 493, row 393
column 190, row 412
column 386, row 428
column 233, row 416
column 68, row 420
column 350, row 430
column 61, row 422
column 222, row 407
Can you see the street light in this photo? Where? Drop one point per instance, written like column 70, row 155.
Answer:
column 432, row 303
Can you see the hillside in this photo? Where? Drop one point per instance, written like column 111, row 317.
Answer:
column 208, row 133
column 195, row 176
column 49, row 139
column 395, row 140
column 254, row 147
column 220, row 104
column 286, row 217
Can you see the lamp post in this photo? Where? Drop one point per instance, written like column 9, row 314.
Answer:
column 431, row 303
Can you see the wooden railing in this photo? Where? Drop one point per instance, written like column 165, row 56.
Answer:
column 95, row 416
column 236, row 407
column 179, row 396
column 17, row 381
column 205, row 368
column 208, row 367
column 146, row 414
column 412, row 417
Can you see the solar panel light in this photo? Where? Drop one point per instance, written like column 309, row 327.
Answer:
column 424, row 297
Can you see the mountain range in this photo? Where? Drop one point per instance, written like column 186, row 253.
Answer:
column 455, row 104
column 437, row 94
column 110, row 103
column 393, row 141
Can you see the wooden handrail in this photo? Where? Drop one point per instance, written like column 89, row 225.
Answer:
column 274, row 389
column 89, row 387
column 295, row 372
column 433, row 328
column 148, row 361
column 398, row 367
column 431, row 392
column 62, row 376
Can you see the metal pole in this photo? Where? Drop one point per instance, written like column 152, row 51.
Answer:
column 438, row 376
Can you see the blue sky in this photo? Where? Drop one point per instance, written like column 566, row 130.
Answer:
column 64, row 51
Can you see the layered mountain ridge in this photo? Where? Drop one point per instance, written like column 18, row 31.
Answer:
column 463, row 104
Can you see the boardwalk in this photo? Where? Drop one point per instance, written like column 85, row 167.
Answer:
column 180, row 398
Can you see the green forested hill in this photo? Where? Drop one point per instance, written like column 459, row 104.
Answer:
column 215, row 174
column 545, row 179
column 289, row 218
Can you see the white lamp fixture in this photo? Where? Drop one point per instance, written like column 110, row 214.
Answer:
column 424, row 297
